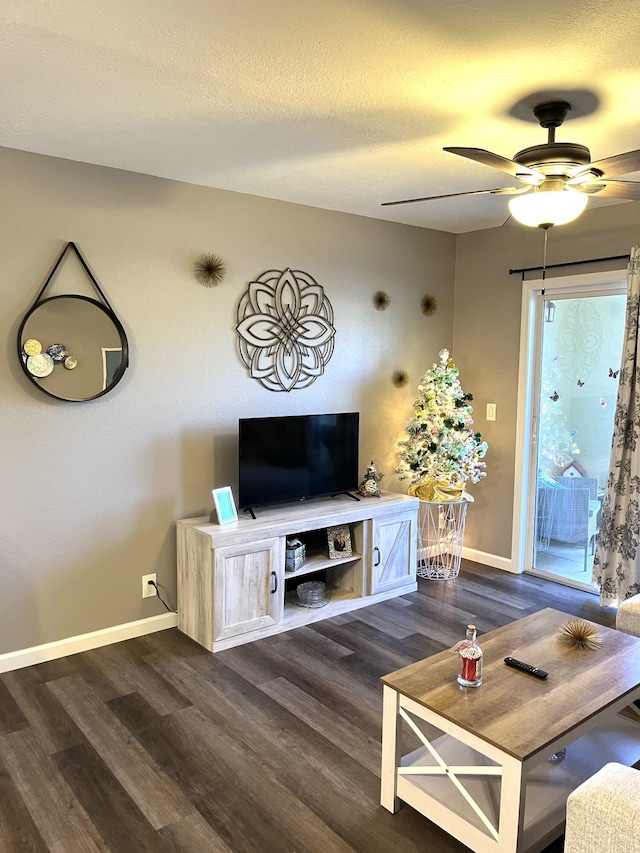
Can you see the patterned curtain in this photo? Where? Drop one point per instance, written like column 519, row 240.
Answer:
column 616, row 563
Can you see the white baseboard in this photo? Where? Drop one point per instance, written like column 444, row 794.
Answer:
column 107, row 636
column 504, row 563
column 84, row 642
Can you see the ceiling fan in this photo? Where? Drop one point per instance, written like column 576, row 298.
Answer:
column 555, row 174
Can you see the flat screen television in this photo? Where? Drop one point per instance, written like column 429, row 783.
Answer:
column 297, row 457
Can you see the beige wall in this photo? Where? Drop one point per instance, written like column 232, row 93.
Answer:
column 90, row 491
column 487, row 339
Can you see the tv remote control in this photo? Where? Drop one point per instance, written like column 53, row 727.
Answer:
column 526, row 667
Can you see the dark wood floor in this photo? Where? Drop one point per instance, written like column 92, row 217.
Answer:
column 273, row 747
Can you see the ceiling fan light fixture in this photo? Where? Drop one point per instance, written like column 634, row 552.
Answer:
column 544, row 208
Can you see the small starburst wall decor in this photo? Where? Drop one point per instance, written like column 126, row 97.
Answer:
column 579, row 634
column 209, row 269
column 428, row 305
column 381, row 300
column 400, row 378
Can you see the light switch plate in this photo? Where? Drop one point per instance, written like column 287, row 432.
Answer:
column 491, row 411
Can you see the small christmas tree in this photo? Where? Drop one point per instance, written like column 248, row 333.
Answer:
column 440, row 443
column 556, row 445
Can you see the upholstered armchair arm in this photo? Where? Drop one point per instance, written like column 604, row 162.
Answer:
column 603, row 814
column 628, row 616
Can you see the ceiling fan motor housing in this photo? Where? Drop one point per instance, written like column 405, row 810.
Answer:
column 553, row 158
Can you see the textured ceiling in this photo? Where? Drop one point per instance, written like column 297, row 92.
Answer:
column 342, row 104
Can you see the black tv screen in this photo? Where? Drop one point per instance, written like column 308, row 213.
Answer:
column 296, row 457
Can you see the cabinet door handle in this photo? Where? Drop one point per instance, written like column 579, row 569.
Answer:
column 274, row 588
column 376, row 550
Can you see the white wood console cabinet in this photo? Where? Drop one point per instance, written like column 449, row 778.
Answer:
column 232, row 583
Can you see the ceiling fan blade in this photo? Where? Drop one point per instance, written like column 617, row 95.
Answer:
column 487, row 158
column 620, row 164
column 611, row 189
column 499, row 191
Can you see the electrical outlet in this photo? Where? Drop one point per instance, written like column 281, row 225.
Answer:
column 148, row 590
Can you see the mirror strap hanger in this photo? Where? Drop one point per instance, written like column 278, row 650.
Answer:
column 71, row 245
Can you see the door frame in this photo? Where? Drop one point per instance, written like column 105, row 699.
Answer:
column 614, row 281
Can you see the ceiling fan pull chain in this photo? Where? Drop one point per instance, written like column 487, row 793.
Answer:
column 544, row 257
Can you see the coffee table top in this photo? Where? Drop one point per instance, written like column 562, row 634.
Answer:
column 515, row 712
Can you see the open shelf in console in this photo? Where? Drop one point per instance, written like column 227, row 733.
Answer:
column 317, row 554
column 315, row 562
column 343, row 579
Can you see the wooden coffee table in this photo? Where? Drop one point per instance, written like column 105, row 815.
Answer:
column 484, row 772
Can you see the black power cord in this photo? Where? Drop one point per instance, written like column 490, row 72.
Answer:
column 155, row 586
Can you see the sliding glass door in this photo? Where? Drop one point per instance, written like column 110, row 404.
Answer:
column 579, row 346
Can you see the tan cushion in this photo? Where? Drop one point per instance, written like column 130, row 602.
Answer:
column 628, row 616
column 603, row 814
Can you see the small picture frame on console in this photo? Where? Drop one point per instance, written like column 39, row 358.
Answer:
column 225, row 505
column 339, row 541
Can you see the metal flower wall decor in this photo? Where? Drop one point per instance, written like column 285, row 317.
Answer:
column 285, row 329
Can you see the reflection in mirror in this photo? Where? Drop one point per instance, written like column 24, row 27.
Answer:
column 72, row 347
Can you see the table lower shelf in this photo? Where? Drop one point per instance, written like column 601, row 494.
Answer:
column 547, row 787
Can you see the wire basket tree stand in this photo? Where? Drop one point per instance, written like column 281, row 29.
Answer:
column 440, row 538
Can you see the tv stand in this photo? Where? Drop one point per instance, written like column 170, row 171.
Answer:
column 348, row 494
column 250, row 511
column 232, row 583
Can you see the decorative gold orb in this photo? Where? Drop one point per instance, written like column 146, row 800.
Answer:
column 32, row 347
column 580, row 634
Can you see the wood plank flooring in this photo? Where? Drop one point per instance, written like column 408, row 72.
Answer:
column 154, row 744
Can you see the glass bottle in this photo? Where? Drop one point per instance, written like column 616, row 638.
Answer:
column 470, row 660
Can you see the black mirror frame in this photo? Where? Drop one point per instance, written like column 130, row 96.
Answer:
column 103, row 306
column 124, row 362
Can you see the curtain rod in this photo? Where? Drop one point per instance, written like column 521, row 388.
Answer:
column 571, row 264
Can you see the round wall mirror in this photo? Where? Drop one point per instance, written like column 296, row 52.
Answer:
column 73, row 347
